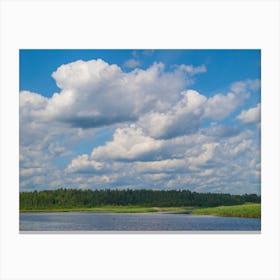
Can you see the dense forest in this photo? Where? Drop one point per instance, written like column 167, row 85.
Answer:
column 74, row 198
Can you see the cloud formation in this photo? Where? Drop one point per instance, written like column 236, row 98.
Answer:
column 128, row 144
column 252, row 115
column 162, row 132
column 94, row 93
column 197, row 161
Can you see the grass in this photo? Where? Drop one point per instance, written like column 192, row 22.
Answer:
column 247, row 210
column 114, row 209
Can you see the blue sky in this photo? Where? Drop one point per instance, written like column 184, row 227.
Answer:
column 224, row 66
column 161, row 119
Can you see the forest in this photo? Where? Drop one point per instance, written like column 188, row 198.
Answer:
column 76, row 198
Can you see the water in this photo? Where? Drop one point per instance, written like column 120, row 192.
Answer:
column 77, row 221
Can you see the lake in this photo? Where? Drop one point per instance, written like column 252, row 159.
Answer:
column 87, row 221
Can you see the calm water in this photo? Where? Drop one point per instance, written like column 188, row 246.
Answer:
column 75, row 221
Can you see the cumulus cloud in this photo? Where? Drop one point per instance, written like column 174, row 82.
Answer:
column 252, row 115
column 187, row 115
column 157, row 123
column 95, row 93
column 83, row 164
column 31, row 101
column 198, row 162
column 221, row 106
column 184, row 118
column 128, row 144
column 194, row 161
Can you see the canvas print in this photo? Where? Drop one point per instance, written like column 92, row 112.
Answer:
column 140, row 140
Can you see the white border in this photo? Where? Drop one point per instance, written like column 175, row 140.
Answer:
column 153, row 24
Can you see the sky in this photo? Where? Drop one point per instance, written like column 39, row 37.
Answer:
column 153, row 119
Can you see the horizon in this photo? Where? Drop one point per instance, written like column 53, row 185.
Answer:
column 133, row 118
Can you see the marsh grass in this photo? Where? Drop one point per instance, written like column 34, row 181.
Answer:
column 247, row 210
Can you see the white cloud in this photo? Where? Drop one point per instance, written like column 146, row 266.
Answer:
column 132, row 63
column 123, row 95
column 162, row 166
column 195, row 161
column 82, row 164
column 192, row 70
column 95, row 93
column 183, row 118
column 253, row 115
column 202, row 164
column 31, row 100
column 207, row 153
column 191, row 110
column 245, row 86
column 221, row 106
column 31, row 171
column 128, row 144
column 206, row 172
column 84, row 74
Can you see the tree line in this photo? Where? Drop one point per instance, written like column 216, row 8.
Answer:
column 75, row 198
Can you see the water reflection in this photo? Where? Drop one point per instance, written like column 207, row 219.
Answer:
column 75, row 221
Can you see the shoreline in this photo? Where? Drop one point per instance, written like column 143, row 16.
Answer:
column 241, row 211
column 113, row 209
